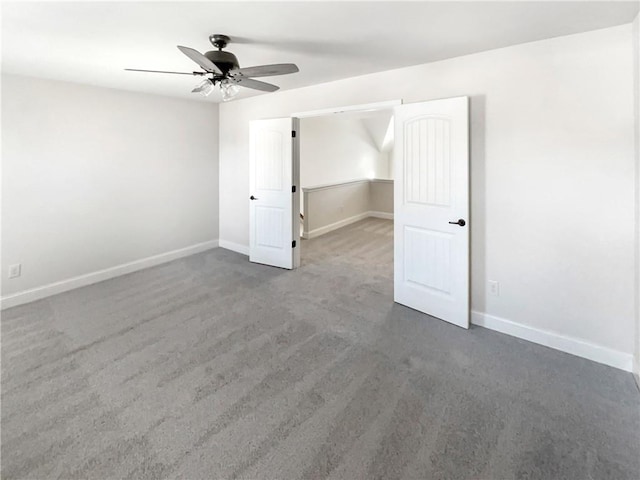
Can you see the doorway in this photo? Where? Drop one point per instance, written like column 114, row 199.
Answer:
column 346, row 174
column 431, row 201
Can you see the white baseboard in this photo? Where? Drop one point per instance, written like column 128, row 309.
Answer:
column 234, row 247
column 336, row 225
column 557, row 341
column 33, row 294
column 343, row 223
column 385, row 215
column 636, row 371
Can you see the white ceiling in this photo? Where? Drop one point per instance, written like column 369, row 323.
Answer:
column 92, row 42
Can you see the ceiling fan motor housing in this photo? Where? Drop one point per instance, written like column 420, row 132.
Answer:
column 225, row 61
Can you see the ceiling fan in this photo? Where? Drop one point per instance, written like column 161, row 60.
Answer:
column 222, row 68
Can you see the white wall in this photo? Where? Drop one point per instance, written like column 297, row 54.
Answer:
column 334, row 206
column 339, row 148
column 381, row 196
column 552, row 176
column 335, row 149
column 93, row 178
column 636, row 89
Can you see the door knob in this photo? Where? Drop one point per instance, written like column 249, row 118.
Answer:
column 460, row 222
column 253, row 198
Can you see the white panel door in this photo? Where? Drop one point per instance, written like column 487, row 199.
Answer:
column 271, row 178
column 431, row 208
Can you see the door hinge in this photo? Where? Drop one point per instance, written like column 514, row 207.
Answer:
column 293, row 244
column 293, row 133
column 293, row 189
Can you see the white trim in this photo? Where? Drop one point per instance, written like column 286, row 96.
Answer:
column 234, row 247
column 385, row 215
column 381, row 180
column 343, row 223
column 327, row 186
column 33, row 294
column 334, row 226
column 557, row 341
column 349, row 108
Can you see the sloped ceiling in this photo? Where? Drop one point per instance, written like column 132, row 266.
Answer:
column 92, row 42
column 380, row 129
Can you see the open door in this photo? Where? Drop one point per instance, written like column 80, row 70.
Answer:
column 431, row 208
column 273, row 197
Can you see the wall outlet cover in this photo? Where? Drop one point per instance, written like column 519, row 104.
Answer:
column 15, row 270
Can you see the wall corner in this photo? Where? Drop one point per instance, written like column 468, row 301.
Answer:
column 635, row 36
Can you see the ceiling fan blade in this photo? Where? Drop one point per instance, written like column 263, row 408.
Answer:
column 200, row 59
column 163, row 71
column 255, row 84
column 266, row 70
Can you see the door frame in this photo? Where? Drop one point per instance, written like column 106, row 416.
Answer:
column 363, row 107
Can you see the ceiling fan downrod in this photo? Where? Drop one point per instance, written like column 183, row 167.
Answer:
column 219, row 41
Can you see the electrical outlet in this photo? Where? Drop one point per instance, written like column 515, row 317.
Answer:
column 494, row 288
column 15, row 270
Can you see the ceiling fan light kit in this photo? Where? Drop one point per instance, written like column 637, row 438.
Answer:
column 229, row 90
column 222, row 68
column 205, row 87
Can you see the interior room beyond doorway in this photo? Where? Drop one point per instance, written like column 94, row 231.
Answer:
column 346, row 170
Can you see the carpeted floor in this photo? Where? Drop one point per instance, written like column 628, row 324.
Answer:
column 212, row 367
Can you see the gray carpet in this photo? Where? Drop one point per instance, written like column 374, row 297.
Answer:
column 212, row 367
